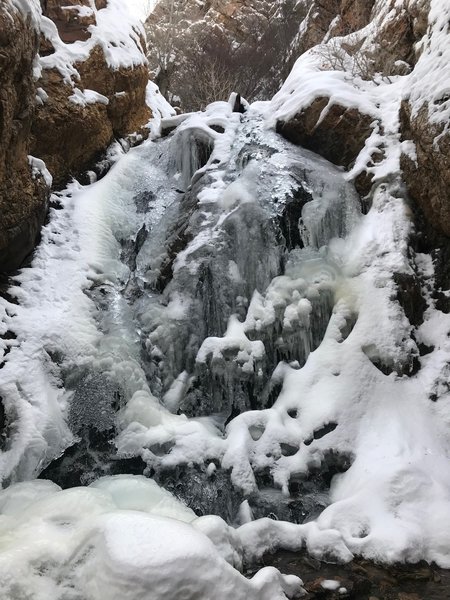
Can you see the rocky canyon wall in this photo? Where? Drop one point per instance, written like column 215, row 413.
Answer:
column 73, row 78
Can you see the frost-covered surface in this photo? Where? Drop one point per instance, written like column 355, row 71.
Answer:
column 121, row 537
column 225, row 285
column 335, row 399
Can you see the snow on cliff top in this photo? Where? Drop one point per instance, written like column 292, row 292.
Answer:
column 429, row 83
column 118, row 31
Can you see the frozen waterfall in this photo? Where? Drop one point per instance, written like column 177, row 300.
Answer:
column 217, row 315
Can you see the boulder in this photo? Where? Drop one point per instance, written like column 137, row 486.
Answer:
column 328, row 135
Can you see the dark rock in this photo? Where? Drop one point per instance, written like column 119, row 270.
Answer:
column 288, row 220
column 363, row 579
column 238, row 106
column 323, row 431
column 92, row 457
column 205, row 493
column 428, row 180
column 329, row 136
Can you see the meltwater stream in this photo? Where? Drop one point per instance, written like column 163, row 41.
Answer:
column 208, row 276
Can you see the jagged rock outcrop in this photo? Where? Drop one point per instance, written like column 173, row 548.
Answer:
column 428, row 177
column 69, row 85
column 73, row 126
column 328, row 135
column 408, row 39
column 23, row 194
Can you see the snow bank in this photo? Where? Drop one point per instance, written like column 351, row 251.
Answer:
column 122, row 537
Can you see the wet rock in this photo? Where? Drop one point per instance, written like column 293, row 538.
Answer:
column 143, row 201
column 205, row 491
column 331, row 589
column 92, row 457
column 288, row 220
column 324, row 430
column 363, row 579
column 131, row 248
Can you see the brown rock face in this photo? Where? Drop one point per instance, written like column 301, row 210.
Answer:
column 329, row 136
column 67, row 136
column 355, row 14
column 428, row 181
column 22, row 198
column 125, row 89
column 70, row 137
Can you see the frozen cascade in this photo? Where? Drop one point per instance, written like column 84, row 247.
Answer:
column 208, row 273
column 207, row 321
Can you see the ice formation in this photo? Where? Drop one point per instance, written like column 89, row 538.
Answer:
column 218, row 314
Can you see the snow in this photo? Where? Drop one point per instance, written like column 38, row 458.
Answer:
column 84, row 97
column 117, row 31
column 161, row 109
column 115, row 539
column 330, row 584
column 38, row 169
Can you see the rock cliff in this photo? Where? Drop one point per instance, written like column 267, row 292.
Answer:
column 394, row 61
column 73, row 78
column 23, row 193
column 94, row 83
